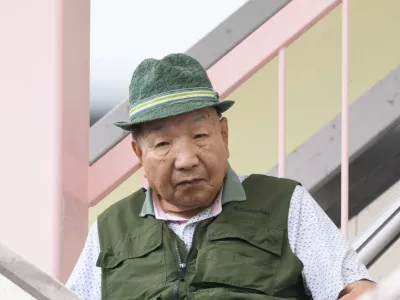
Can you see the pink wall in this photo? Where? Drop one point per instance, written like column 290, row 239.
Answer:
column 44, row 123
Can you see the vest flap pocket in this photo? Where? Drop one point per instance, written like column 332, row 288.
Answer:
column 221, row 267
column 131, row 247
column 267, row 239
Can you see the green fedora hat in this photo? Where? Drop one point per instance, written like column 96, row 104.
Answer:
column 174, row 85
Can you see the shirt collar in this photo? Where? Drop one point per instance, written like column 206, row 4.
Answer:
column 233, row 191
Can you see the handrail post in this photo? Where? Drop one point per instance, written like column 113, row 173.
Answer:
column 345, row 120
column 282, row 113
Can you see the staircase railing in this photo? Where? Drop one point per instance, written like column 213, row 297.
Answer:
column 30, row 278
column 380, row 234
column 388, row 289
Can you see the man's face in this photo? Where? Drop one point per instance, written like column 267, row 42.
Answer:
column 185, row 158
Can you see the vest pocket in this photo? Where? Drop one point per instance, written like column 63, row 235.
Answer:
column 135, row 267
column 239, row 262
column 222, row 293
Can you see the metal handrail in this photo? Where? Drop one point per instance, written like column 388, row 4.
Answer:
column 382, row 231
column 30, row 278
column 388, row 289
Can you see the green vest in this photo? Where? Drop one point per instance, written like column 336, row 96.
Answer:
column 243, row 253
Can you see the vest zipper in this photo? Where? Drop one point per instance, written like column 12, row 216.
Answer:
column 182, row 264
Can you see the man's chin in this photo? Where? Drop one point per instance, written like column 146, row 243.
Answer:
column 193, row 200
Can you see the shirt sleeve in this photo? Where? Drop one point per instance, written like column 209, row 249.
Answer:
column 85, row 279
column 330, row 264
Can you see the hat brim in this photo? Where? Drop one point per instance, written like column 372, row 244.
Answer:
column 173, row 109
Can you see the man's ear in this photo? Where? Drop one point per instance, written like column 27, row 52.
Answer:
column 224, row 133
column 137, row 150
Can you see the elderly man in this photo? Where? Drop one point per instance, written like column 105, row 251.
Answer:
column 199, row 231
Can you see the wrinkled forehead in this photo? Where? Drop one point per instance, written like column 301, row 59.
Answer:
column 207, row 116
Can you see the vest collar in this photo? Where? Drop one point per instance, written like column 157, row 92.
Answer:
column 233, row 191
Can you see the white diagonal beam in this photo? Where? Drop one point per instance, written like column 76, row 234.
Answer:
column 30, row 278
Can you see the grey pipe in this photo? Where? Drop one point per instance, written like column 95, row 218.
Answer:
column 383, row 230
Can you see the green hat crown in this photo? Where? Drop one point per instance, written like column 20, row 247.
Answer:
column 174, row 85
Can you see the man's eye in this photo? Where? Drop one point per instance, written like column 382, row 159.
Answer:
column 199, row 136
column 162, row 144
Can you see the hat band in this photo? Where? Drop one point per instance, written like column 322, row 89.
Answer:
column 173, row 96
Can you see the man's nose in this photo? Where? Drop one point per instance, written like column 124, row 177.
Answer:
column 186, row 156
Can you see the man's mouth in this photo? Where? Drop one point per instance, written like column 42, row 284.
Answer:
column 189, row 182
